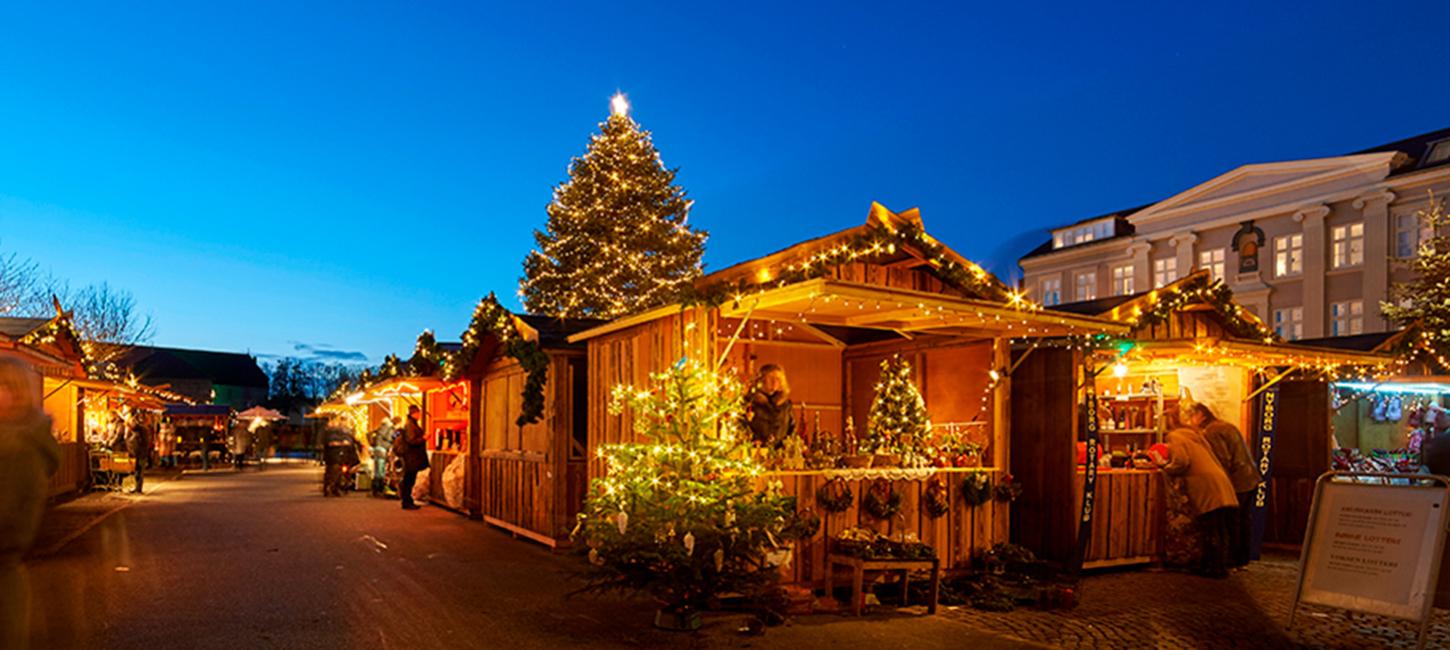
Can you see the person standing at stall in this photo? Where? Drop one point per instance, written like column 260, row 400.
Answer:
column 1232, row 453
column 166, row 443
column 138, row 444
column 29, row 456
column 414, row 452
column 380, row 441
column 1210, row 492
column 770, row 415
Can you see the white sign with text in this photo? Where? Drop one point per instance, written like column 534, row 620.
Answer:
column 1372, row 548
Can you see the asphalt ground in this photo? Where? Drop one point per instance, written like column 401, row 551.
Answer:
column 262, row 560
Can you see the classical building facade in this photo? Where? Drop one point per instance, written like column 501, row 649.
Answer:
column 1311, row 246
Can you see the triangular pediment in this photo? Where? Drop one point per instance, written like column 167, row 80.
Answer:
column 1292, row 179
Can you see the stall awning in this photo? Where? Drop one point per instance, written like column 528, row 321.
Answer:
column 825, row 301
column 1215, row 351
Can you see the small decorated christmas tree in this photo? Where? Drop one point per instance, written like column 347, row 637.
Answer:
column 617, row 240
column 678, row 515
column 1425, row 300
column 898, row 422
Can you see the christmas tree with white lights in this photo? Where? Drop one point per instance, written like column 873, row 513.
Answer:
column 1425, row 300
column 898, row 422
column 617, row 240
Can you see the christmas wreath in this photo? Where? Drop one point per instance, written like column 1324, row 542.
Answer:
column 804, row 525
column 835, row 496
column 977, row 488
column 1008, row 490
column 881, row 500
column 935, row 502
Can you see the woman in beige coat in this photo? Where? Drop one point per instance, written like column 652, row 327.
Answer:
column 1210, row 492
column 29, row 455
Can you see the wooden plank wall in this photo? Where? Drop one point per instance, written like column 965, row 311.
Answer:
column 957, row 537
column 1044, row 452
column 74, row 472
column 1185, row 325
column 1128, row 517
column 814, row 374
column 898, row 278
column 952, row 376
column 529, row 475
column 1302, row 450
column 629, row 357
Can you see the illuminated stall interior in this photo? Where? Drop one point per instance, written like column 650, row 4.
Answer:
column 829, row 311
column 1189, row 340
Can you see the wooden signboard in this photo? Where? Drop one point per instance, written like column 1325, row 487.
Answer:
column 1374, row 545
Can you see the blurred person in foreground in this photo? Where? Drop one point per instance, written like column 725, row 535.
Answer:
column 29, row 456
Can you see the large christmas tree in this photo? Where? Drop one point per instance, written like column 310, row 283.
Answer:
column 898, row 422
column 1425, row 300
column 678, row 515
column 617, row 240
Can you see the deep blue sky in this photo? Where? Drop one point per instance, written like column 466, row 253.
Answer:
column 264, row 176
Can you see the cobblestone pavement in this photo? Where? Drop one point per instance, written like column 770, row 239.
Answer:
column 1162, row 609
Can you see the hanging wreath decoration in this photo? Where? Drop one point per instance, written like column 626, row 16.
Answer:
column 881, row 501
column 935, row 502
column 804, row 525
column 835, row 496
column 977, row 488
column 1008, row 490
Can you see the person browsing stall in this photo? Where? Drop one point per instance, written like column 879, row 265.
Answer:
column 1210, row 492
column 1232, row 453
column 414, row 453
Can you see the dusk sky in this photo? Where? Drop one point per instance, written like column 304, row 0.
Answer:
column 278, row 179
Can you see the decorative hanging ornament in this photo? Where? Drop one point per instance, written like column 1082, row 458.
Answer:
column 621, row 521
column 729, row 517
column 594, row 557
column 719, row 559
column 689, row 543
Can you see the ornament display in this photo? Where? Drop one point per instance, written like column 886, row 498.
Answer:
column 935, row 500
column 882, row 500
column 977, row 488
column 835, row 496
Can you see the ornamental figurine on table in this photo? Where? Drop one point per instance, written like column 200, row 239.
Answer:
column 897, row 427
column 678, row 515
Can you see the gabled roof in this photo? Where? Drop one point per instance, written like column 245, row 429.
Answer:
column 158, row 364
column 894, row 239
column 554, row 333
column 1406, row 156
column 1197, row 291
column 14, row 328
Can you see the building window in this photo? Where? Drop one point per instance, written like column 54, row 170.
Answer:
column 1213, row 261
column 1411, row 232
column 1348, row 245
column 1288, row 255
column 1347, row 318
column 1087, row 286
column 1165, row 271
column 1052, row 291
column 1123, row 280
column 1083, row 234
column 1439, row 152
column 1289, row 323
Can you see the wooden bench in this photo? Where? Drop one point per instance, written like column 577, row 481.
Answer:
column 860, row 566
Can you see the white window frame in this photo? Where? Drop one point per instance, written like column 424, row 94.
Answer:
column 1085, row 286
column 1411, row 232
column 1347, row 245
column 1122, row 275
column 1051, row 288
column 1346, row 318
column 1214, row 260
column 1289, row 255
column 1289, row 323
column 1165, row 271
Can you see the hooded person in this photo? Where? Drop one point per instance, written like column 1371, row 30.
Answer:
column 29, row 456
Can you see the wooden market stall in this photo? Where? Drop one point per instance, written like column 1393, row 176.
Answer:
column 1188, row 340
column 829, row 311
column 51, row 347
column 521, row 388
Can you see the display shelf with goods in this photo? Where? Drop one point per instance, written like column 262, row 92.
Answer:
column 830, row 312
column 1198, row 346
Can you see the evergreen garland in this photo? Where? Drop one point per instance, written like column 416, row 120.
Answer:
column 1201, row 287
column 490, row 318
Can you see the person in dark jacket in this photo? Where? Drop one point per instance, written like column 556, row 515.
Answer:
column 29, row 456
column 414, row 453
column 138, row 444
column 1232, row 453
column 770, row 415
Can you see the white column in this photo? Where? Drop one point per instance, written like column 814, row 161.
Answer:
column 1183, row 245
column 1315, row 255
column 1378, row 233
